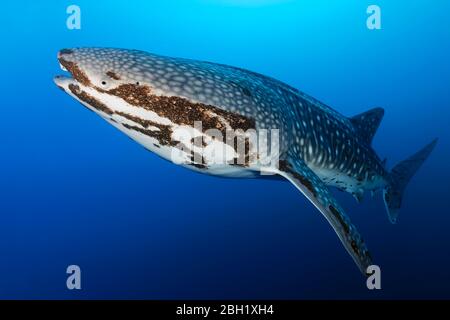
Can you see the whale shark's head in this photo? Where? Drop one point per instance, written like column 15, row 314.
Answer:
column 150, row 97
column 109, row 80
column 104, row 69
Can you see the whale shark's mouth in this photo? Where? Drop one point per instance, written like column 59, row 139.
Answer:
column 73, row 73
column 76, row 83
column 62, row 67
column 63, row 80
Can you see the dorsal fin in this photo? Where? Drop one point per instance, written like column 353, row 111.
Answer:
column 367, row 123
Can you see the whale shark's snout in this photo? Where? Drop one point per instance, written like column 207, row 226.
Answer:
column 102, row 78
column 95, row 67
column 62, row 81
column 107, row 69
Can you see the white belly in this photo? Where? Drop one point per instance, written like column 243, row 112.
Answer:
column 215, row 155
column 211, row 156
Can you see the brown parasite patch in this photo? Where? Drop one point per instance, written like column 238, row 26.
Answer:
column 163, row 134
column 76, row 72
column 113, row 75
column 85, row 97
column 184, row 112
column 180, row 110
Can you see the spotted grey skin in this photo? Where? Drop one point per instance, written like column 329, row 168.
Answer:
column 152, row 98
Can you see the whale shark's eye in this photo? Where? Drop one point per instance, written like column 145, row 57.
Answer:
column 105, row 84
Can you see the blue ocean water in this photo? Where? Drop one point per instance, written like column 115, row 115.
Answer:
column 74, row 190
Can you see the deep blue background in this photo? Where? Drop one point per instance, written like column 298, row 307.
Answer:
column 74, row 190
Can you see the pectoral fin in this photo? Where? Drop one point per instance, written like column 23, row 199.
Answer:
column 297, row 172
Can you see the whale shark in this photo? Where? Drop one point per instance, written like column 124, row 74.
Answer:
column 184, row 107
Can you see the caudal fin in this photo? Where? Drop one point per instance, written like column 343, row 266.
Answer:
column 399, row 178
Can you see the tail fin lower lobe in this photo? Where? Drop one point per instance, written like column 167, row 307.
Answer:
column 400, row 175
